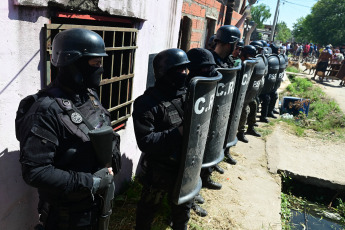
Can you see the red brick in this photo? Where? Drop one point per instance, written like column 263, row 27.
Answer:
column 194, row 45
column 197, row 24
column 202, row 2
column 185, row 8
column 197, row 10
column 236, row 15
column 210, row 3
column 217, row 5
column 196, row 37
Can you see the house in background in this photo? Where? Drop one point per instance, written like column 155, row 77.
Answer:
column 133, row 31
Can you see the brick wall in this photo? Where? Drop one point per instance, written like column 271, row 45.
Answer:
column 235, row 18
column 199, row 11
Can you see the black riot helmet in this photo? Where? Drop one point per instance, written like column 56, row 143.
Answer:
column 275, row 48
column 264, row 43
column 248, row 50
column 170, row 67
column 228, row 34
column 240, row 43
column 199, row 57
column 257, row 44
column 168, row 59
column 72, row 44
column 211, row 44
column 201, row 63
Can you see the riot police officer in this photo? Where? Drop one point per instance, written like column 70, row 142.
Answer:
column 202, row 64
column 54, row 127
column 270, row 81
column 249, row 106
column 158, row 119
column 274, row 95
column 258, row 46
column 226, row 39
column 237, row 51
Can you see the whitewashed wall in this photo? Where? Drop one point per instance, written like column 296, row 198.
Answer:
column 21, row 53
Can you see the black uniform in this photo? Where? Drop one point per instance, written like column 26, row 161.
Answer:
column 156, row 122
column 57, row 156
column 54, row 128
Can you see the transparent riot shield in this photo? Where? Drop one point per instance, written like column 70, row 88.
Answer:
column 197, row 115
column 220, row 116
column 271, row 76
column 242, row 81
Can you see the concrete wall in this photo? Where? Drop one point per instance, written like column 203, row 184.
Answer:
column 21, row 56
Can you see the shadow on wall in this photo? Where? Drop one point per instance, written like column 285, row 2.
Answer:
column 24, row 13
column 18, row 209
column 28, row 14
column 221, row 15
column 150, row 72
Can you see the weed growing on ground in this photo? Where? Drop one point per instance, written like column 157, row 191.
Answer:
column 292, row 69
column 124, row 211
column 324, row 114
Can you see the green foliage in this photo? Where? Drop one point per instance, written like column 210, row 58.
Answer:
column 324, row 114
column 285, row 211
column 260, row 14
column 323, row 24
column 124, row 211
column 284, row 33
column 292, row 69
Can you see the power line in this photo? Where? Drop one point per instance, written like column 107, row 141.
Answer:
column 284, row 1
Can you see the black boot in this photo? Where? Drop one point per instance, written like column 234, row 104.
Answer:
column 252, row 131
column 264, row 119
column 199, row 199
column 199, row 210
column 211, row 184
column 229, row 159
column 271, row 114
column 242, row 137
column 218, row 169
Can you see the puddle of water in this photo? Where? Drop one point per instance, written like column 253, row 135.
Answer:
column 305, row 221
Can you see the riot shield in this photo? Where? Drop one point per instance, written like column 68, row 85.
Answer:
column 197, row 116
column 281, row 71
column 254, row 83
column 262, row 80
column 220, row 116
column 242, row 81
column 271, row 76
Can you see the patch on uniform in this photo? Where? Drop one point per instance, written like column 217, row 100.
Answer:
column 76, row 118
column 174, row 117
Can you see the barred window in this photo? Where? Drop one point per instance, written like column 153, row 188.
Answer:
column 116, row 86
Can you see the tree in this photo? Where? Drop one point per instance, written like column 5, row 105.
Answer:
column 301, row 32
column 283, row 32
column 260, row 14
column 324, row 24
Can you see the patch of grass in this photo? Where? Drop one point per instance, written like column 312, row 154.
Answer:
column 285, row 212
column 292, row 69
column 125, row 205
column 324, row 114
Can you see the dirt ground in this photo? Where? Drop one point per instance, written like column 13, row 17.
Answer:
column 250, row 196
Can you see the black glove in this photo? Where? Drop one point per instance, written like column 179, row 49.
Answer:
column 101, row 181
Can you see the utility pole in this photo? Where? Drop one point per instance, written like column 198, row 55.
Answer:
column 274, row 21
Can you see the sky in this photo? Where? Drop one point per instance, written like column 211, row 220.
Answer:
column 289, row 10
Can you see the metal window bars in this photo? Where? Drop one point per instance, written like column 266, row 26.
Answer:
column 116, row 86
